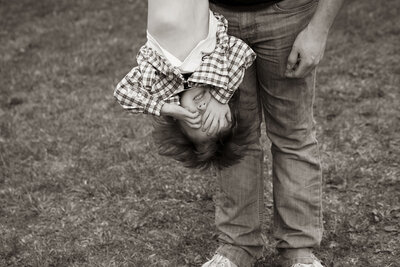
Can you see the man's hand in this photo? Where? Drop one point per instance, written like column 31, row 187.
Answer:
column 309, row 46
column 192, row 119
column 307, row 51
column 216, row 117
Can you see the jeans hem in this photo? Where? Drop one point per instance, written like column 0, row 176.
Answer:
column 289, row 262
column 237, row 255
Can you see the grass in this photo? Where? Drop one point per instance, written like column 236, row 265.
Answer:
column 82, row 185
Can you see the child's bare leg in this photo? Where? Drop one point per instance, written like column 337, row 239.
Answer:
column 178, row 25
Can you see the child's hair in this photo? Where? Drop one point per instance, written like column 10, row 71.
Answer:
column 220, row 152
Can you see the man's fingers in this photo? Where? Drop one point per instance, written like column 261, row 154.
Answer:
column 293, row 62
column 305, row 67
column 292, row 59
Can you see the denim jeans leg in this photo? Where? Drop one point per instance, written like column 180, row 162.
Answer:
column 239, row 201
column 287, row 104
column 288, row 107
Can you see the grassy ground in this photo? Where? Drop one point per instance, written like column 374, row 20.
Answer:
column 81, row 185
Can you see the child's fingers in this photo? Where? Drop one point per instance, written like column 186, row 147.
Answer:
column 196, row 120
column 223, row 123
column 207, row 123
column 205, row 117
column 207, row 120
column 194, row 125
column 229, row 116
column 190, row 114
column 213, row 127
column 194, row 115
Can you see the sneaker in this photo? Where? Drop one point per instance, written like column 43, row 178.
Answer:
column 316, row 263
column 219, row 261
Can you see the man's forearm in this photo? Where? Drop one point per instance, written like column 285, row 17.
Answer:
column 309, row 46
column 325, row 14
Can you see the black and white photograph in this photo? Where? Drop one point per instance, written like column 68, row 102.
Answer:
column 209, row 133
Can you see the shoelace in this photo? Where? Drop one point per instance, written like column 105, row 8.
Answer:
column 303, row 265
column 222, row 261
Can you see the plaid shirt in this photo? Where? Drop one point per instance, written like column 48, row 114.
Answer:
column 155, row 81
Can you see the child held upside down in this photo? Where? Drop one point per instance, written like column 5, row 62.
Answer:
column 187, row 73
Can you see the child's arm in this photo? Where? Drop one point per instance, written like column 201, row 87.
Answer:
column 192, row 119
column 240, row 57
column 132, row 96
column 217, row 117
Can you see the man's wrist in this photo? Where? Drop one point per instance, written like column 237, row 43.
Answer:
column 321, row 30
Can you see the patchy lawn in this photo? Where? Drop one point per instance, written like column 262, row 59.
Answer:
column 81, row 184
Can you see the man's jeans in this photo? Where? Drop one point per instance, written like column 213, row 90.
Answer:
column 288, row 108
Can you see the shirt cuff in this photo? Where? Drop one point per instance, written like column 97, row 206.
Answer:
column 154, row 107
column 222, row 95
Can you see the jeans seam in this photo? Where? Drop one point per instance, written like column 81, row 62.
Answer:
column 295, row 9
column 261, row 161
column 320, row 219
column 260, row 204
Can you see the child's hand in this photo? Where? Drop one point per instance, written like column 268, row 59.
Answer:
column 216, row 117
column 192, row 119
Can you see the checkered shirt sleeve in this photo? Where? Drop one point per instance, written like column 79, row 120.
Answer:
column 240, row 56
column 132, row 95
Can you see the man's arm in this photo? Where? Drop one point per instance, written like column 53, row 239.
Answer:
column 309, row 46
